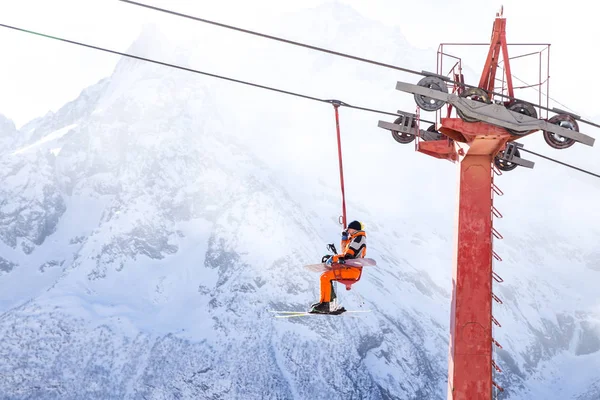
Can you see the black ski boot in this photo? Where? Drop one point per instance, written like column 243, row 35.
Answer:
column 338, row 311
column 320, row 308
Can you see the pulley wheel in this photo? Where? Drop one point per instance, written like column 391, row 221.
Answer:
column 432, row 129
column 522, row 108
column 475, row 94
column 557, row 141
column 403, row 137
column 504, row 165
column 428, row 103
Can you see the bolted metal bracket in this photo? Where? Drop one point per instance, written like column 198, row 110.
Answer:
column 407, row 125
column 495, row 114
column 509, row 154
column 396, row 128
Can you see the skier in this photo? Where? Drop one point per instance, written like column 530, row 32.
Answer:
column 354, row 245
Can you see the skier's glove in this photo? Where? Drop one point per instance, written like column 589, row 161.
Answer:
column 337, row 259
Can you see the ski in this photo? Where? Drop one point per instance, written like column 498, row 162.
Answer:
column 287, row 312
column 290, row 314
column 302, row 314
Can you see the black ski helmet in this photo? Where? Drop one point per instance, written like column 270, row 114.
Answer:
column 356, row 225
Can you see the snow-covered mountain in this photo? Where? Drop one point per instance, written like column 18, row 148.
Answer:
column 147, row 227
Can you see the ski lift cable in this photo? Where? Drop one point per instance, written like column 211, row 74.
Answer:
column 308, row 97
column 333, row 52
column 276, row 38
column 248, row 83
column 560, row 162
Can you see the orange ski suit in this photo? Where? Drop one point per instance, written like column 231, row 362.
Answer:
column 354, row 247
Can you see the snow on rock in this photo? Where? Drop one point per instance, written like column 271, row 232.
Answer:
column 31, row 203
column 8, row 133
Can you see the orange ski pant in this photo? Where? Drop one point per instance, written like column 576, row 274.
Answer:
column 349, row 273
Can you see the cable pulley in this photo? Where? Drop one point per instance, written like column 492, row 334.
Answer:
column 475, row 94
column 524, row 108
column 560, row 142
column 428, row 103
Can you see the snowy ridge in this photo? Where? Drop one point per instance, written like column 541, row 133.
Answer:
column 8, row 134
column 48, row 138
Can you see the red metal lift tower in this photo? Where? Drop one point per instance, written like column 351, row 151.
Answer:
column 487, row 124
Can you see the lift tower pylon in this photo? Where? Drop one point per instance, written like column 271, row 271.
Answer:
column 489, row 127
column 470, row 353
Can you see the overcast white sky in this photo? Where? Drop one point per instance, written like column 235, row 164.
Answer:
column 38, row 74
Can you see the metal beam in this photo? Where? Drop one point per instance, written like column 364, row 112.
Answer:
column 496, row 114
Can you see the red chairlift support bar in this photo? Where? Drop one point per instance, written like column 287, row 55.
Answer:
column 336, row 106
